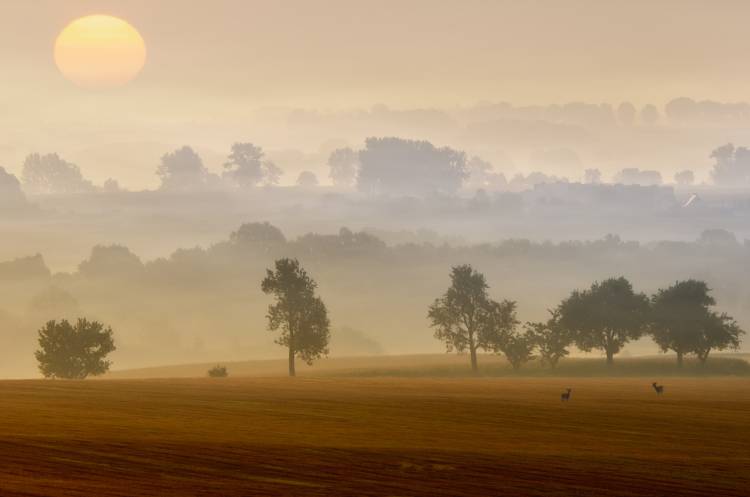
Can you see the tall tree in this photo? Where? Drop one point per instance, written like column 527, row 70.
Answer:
column 466, row 318
column 606, row 316
column 74, row 351
column 298, row 313
column 551, row 338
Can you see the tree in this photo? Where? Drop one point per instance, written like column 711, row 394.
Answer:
column 343, row 163
column 182, row 170
column 74, row 351
column 635, row 176
column 482, row 175
column 649, row 115
column 731, row 166
column 298, row 313
column 11, row 195
column 721, row 332
column 257, row 233
column 551, row 339
column 678, row 316
column 518, row 348
column 50, row 174
column 605, row 317
column 684, row 178
column 682, row 321
column 247, row 166
column 394, row 165
column 466, row 318
column 111, row 261
column 307, row 179
column 626, row 114
column 592, row 176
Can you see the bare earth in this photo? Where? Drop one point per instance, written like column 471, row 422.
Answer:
column 374, row 437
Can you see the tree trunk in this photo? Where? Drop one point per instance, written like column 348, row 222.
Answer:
column 292, row 372
column 703, row 357
column 679, row 358
column 610, row 357
column 474, row 367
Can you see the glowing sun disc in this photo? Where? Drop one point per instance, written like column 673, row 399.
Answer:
column 100, row 52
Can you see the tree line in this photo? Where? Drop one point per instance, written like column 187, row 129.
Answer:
column 605, row 317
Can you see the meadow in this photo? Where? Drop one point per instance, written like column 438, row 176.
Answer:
column 375, row 436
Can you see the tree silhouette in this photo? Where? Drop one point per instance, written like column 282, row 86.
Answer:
column 307, row 179
column 298, row 313
column 466, row 318
column 74, row 351
column 606, row 316
column 394, row 165
column 721, row 332
column 51, row 174
column 518, row 347
column 247, row 166
column 682, row 320
column 679, row 315
column 182, row 170
column 263, row 235
column 551, row 338
column 11, row 195
column 731, row 166
column 344, row 163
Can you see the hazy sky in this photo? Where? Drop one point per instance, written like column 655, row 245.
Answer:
column 213, row 61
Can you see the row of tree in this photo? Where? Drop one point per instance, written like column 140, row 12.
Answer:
column 385, row 165
column 604, row 317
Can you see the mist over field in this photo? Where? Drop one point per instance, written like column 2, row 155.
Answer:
column 176, row 271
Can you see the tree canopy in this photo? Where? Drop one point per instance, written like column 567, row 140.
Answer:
column 682, row 320
column 74, row 351
column 606, row 316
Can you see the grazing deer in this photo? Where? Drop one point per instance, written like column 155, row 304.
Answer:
column 659, row 389
column 565, row 396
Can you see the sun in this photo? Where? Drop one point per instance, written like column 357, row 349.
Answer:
column 100, row 52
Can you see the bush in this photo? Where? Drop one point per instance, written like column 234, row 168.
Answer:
column 218, row 372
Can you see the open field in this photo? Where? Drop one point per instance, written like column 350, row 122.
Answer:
column 374, row 437
column 454, row 365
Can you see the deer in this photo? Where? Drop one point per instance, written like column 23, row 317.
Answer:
column 565, row 396
column 659, row 389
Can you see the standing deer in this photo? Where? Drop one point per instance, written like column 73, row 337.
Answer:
column 659, row 389
column 565, row 396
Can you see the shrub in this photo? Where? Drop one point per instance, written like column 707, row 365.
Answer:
column 218, row 372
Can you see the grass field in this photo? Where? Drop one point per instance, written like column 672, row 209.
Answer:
column 454, row 365
column 374, row 437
